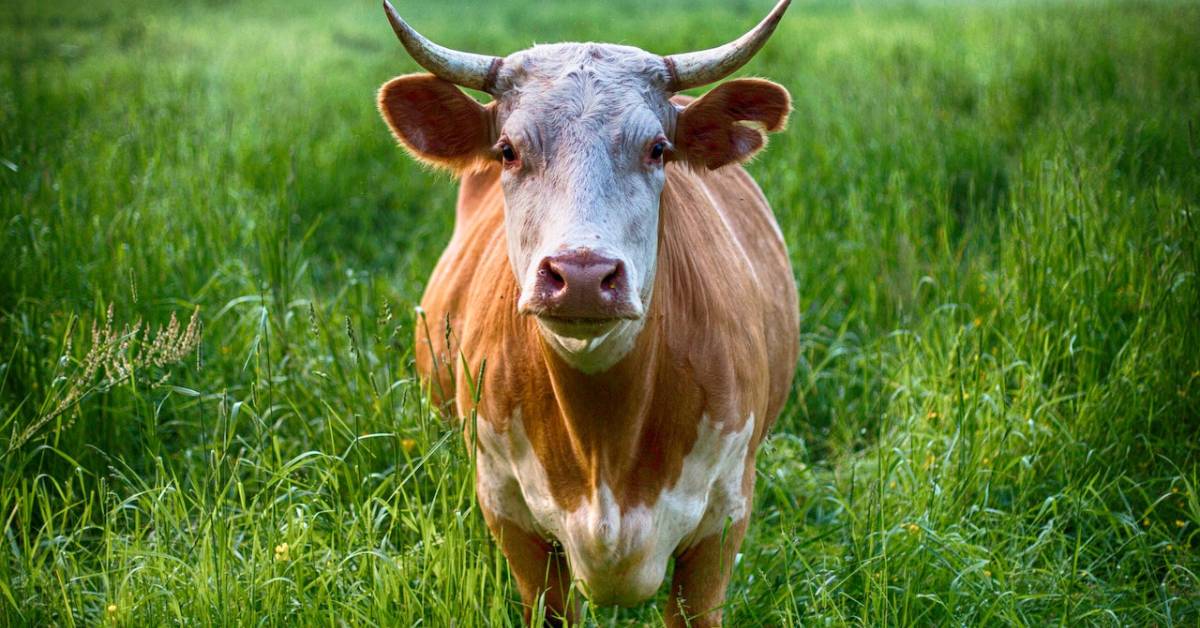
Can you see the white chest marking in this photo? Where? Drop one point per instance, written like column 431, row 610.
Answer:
column 619, row 555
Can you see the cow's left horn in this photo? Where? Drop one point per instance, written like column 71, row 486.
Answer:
column 693, row 69
column 461, row 68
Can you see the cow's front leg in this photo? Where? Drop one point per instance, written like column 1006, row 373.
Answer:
column 702, row 573
column 538, row 568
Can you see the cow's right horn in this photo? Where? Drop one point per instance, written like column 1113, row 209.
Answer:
column 461, row 68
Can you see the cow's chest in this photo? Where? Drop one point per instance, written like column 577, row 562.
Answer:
column 620, row 554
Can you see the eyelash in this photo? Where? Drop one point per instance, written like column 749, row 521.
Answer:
column 508, row 152
column 658, row 150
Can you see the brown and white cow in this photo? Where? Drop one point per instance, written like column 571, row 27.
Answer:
column 626, row 285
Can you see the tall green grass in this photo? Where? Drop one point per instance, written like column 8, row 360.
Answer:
column 991, row 210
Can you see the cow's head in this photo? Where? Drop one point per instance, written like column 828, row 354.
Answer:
column 581, row 133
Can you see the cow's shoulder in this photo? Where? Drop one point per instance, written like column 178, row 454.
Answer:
column 474, row 260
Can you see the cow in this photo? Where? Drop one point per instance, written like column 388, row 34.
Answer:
column 615, row 315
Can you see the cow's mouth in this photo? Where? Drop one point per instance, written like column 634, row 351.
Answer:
column 579, row 326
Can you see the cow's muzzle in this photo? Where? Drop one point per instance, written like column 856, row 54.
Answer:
column 581, row 288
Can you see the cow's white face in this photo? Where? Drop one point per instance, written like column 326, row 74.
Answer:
column 583, row 133
column 580, row 134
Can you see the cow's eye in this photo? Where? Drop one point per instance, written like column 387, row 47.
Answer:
column 508, row 152
column 657, row 150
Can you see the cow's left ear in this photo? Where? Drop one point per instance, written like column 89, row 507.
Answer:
column 437, row 122
column 729, row 123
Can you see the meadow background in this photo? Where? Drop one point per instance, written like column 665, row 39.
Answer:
column 992, row 209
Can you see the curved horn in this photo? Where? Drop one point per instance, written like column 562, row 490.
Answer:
column 461, row 68
column 693, row 69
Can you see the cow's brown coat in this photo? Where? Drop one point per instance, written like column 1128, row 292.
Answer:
column 720, row 341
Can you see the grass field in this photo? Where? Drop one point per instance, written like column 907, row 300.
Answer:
column 993, row 215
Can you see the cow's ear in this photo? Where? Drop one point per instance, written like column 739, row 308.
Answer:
column 729, row 123
column 437, row 122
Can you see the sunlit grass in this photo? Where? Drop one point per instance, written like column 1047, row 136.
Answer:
column 992, row 214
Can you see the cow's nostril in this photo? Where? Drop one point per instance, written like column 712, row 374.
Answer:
column 550, row 277
column 610, row 280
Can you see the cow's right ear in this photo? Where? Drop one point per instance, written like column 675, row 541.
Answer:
column 437, row 122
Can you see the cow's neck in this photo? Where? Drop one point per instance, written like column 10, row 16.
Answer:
column 605, row 412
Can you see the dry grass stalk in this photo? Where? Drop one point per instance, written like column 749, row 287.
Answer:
column 114, row 358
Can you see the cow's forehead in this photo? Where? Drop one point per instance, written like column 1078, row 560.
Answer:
column 586, row 84
column 604, row 62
